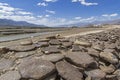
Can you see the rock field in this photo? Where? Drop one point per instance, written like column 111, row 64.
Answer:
column 89, row 57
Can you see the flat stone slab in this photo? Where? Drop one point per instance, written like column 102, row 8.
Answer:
column 35, row 68
column 52, row 57
column 11, row 75
column 81, row 59
column 54, row 42
column 68, row 72
column 50, row 49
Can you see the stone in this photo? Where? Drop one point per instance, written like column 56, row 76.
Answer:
column 110, row 46
column 76, row 48
column 3, row 49
column 64, row 40
column 96, row 74
column 54, row 42
column 109, row 57
column 52, row 57
column 82, row 43
column 98, row 47
column 108, row 69
column 93, row 52
column 24, row 54
column 111, row 77
column 41, row 44
column 68, row 72
column 66, row 44
column 81, row 59
column 26, row 42
column 34, row 68
column 11, row 75
column 50, row 49
column 6, row 64
column 52, row 77
column 51, row 37
column 19, row 48
column 117, row 73
column 43, row 40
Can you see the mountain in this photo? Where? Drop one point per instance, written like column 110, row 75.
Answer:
column 7, row 22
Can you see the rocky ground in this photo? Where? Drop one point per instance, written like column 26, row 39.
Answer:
column 88, row 57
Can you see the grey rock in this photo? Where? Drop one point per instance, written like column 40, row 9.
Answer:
column 76, row 48
column 52, row 77
column 41, row 44
column 26, row 42
column 68, row 72
column 81, row 59
column 66, row 44
column 10, row 75
column 93, row 52
column 35, row 68
column 82, row 43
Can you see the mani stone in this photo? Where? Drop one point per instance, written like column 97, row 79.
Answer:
column 19, row 48
column 76, row 48
column 68, row 72
column 34, row 68
column 67, row 44
column 41, row 44
column 82, row 43
column 96, row 74
column 109, row 57
column 10, row 75
column 5, row 64
column 81, row 59
column 50, row 49
column 26, row 42
column 52, row 57
column 93, row 52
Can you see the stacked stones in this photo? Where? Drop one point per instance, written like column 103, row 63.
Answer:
column 89, row 57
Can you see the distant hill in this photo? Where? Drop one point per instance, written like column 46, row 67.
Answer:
column 6, row 22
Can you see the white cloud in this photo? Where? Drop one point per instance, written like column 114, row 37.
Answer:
column 83, row 2
column 50, row 0
column 77, row 18
column 42, row 4
column 110, row 15
column 24, row 13
column 49, row 11
column 47, row 15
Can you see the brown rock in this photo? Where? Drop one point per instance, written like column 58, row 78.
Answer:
column 26, row 42
column 41, row 44
column 35, row 68
column 76, row 48
column 93, row 52
column 3, row 50
column 81, row 59
column 68, row 72
column 67, row 44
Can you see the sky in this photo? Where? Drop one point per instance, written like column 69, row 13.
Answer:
column 59, row 12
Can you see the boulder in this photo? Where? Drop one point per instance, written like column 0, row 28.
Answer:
column 81, row 59
column 11, row 75
column 35, row 68
column 68, row 72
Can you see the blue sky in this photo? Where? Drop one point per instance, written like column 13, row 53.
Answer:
column 59, row 12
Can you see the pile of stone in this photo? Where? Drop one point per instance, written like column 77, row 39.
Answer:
column 89, row 57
